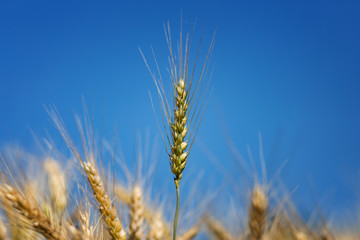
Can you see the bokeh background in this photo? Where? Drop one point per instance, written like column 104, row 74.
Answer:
column 289, row 70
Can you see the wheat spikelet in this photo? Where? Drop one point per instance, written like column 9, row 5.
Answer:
column 190, row 234
column 106, row 208
column 300, row 235
column 157, row 229
column 13, row 201
column 3, row 230
column 136, row 214
column 87, row 230
column 257, row 213
column 217, row 230
column 57, row 184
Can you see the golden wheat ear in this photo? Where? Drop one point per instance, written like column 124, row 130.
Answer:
column 158, row 227
column 181, row 116
column 257, row 213
column 17, row 204
column 57, row 185
column 86, row 229
column 105, row 205
column 136, row 213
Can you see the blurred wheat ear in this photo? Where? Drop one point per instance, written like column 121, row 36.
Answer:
column 36, row 219
column 182, row 115
column 257, row 213
column 105, row 205
column 136, row 214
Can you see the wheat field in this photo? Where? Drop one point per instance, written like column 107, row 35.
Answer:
column 75, row 196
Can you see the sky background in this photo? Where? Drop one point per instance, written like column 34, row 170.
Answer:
column 287, row 69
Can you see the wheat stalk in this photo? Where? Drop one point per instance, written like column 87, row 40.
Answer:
column 136, row 214
column 37, row 220
column 182, row 120
column 257, row 213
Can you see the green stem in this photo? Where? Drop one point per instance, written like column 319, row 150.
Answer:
column 177, row 208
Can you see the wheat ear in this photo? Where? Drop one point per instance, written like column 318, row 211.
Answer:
column 157, row 229
column 57, row 184
column 187, row 107
column 217, row 229
column 178, row 131
column 12, row 199
column 257, row 213
column 136, row 214
column 106, row 208
column 152, row 216
column 87, row 230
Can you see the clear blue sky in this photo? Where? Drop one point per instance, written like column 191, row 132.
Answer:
column 289, row 69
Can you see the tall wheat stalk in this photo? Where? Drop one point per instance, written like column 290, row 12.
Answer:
column 182, row 115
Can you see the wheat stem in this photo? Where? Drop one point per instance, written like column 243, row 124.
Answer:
column 177, row 209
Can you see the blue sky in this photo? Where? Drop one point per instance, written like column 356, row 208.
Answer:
column 287, row 69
